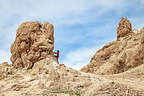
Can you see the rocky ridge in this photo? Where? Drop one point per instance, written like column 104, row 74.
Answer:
column 48, row 78
column 121, row 55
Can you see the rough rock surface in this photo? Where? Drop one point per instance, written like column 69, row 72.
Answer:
column 124, row 28
column 121, row 55
column 34, row 41
column 5, row 69
column 48, row 78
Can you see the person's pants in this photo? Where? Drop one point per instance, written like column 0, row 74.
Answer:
column 56, row 59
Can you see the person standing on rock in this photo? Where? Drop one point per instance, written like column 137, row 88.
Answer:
column 56, row 54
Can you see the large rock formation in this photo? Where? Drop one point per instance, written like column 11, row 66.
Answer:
column 34, row 41
column 121, row 55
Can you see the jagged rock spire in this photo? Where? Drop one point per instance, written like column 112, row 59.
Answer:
column 124, row 28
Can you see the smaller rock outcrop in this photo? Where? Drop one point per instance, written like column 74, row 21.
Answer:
column 124, row 28
column 5, row 70
column 34, row 41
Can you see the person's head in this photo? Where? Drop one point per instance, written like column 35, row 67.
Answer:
column 57, row 50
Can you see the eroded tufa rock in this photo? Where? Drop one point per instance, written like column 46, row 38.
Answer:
column 124, row 28
column 34, row 41
column 121, row 55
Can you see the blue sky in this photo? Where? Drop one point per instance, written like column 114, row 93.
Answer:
column 81, row 26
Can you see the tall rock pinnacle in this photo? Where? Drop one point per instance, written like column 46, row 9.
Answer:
column 34, row 41
column 124, row 28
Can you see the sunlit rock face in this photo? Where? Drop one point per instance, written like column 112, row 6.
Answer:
column 125, row 53
column 124, row 28
column 34, row 41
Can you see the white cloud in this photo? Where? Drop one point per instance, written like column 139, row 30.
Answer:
column 78, row 58
column 4, row 56
column 43, row 9
column 137, row 22
column 58, row 10
column 142, row 2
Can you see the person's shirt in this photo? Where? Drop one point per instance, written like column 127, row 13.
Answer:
column 57, row 53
